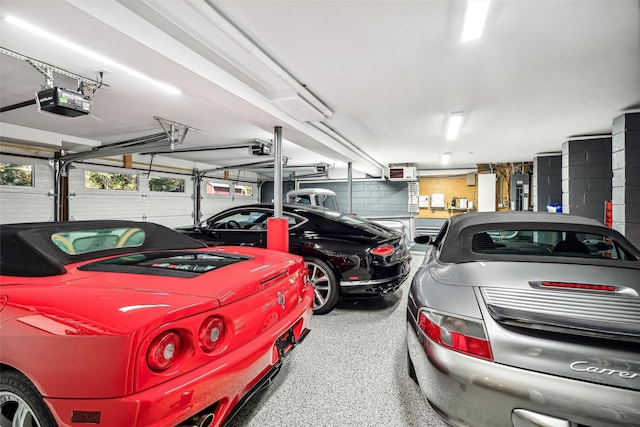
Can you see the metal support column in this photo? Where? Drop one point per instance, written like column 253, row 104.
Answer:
column 197, row 197
column 349, row 188
column 277, row 172
column 61, row 188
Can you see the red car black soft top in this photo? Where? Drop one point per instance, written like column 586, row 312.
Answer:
column 27, row 249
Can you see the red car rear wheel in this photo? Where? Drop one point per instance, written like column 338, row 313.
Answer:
column 20, row 403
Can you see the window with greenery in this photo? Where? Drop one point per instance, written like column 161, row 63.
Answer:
column 18, row 175
column 110, row 181
column 169, row 185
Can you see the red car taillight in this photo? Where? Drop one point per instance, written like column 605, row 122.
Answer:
column 163, row 351
column 210, row 334
column 384, row 250
column 462, row 335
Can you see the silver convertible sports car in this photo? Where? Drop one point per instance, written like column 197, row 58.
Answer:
column 527, row 319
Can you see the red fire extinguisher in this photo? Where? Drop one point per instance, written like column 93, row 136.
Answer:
column 608, row 213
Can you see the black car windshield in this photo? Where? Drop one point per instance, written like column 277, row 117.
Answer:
column 550, row 243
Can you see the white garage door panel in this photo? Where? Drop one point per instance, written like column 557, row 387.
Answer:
column 34, row 204
column 212, row 204
column 170, row 209
column 106, row 205
column 28, row 204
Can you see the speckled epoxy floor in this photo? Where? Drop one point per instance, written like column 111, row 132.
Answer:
column 350, row 371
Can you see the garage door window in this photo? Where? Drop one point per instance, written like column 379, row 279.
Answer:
column 243, row 190
column 218, row 188
column 167, row 185
column 221, row 188
column 16, row 175
column 110, row 181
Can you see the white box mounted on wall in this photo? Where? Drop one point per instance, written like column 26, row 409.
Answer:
column 406, row 173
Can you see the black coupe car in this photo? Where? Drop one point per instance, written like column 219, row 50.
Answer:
column 346, row 255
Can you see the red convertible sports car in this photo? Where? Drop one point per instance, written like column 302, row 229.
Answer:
column 121, row 323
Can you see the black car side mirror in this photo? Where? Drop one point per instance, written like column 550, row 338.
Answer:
column 422, row 239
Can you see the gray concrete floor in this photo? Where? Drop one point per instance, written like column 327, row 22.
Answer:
column 350, row 371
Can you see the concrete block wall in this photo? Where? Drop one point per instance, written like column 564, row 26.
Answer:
column 370, row 198
column 586, row 177
column 626, row 176
column 546, row 182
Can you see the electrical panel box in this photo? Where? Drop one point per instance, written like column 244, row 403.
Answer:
column 520, row 192
column 414, row 197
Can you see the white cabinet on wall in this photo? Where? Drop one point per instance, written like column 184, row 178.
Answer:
column 486, row 192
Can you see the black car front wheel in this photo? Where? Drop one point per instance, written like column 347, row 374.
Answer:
column 325, row 284
column 20, row 403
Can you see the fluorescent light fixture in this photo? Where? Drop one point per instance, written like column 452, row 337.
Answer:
column 474, row 19
column 88, row 53
column 454, row 125
column 444, row 159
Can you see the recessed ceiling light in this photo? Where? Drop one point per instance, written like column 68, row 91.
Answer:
column 474, row 20
column 454, row 125
column 87, row 52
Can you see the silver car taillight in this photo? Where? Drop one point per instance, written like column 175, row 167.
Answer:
column 461, row 335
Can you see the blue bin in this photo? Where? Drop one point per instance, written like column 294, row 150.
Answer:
column 554, row 207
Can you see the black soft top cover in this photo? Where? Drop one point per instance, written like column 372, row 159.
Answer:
column 462, row 227
column 27, row 249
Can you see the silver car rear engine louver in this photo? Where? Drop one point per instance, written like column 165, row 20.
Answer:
column 574, row 312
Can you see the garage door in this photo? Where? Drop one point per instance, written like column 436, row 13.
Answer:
column 26, row 190
column 98, row 192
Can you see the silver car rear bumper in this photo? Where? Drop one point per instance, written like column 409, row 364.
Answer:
column 466, row 391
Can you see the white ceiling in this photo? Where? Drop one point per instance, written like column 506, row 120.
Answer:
column 388, row 71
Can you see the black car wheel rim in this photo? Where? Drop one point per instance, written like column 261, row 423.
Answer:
column 321, row 284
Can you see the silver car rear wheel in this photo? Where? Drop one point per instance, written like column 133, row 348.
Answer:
column 20, row 403
column 325, row 285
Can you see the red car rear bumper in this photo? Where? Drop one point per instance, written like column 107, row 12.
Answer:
column 215, row 388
